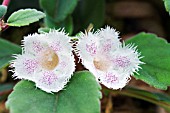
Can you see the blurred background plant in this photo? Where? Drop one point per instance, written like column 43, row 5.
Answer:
column 127, row 16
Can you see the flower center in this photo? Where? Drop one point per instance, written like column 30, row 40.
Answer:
column 48, row 59
column 101, row 64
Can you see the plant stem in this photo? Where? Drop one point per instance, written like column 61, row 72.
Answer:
column 136, row 94
column 6, row 2
column 3, row 26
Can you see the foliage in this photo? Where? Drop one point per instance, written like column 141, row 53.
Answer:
column 82, row 94
column 160, row 99
column 54, row 8
column 7, row 49
column 167, row 5
column 24, row 17
column 156, row 54
column 75, row 15
column 56, row 16
column 89, row 12
column 76, row 98
column 67, row 24
column 3, row 10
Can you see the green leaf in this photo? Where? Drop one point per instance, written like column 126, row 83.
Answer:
column 167, row 5
column 3, row 10
column 67, row 24
column 89, row 11
column 24, row 17
column 6, row 87
column 81, row 95
column 156, row 52
column 58, row 10
column 160, row 99
column 6, row 50
column 4, row 90
column 43, row 30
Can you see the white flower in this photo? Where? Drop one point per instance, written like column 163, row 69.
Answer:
column 126, row 59
column 102, row 54
column 46, row 59
column 114, row 79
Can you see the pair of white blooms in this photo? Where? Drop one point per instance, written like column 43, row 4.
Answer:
column 48, row 61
